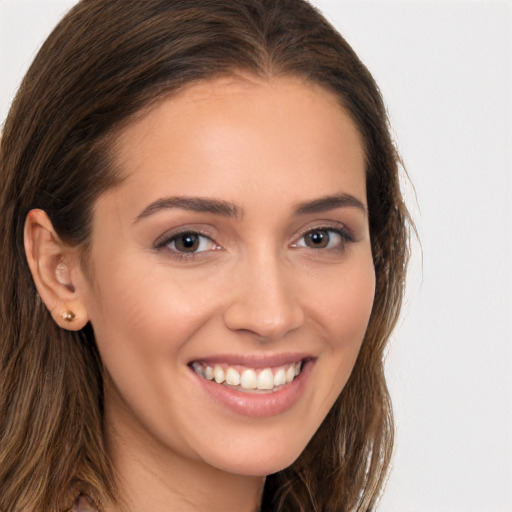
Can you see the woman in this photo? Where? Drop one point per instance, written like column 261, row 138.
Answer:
column 203, row 255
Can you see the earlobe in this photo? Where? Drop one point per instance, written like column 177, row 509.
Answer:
column 54, row 267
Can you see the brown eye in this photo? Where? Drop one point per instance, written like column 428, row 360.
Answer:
column 317, row 239
column 324, row 238
column 187, row 242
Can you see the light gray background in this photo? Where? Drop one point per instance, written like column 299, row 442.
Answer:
column 445, row 69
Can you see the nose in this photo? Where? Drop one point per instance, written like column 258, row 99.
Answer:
column 263, row 300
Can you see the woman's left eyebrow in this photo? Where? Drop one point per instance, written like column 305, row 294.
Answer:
column 324, row 204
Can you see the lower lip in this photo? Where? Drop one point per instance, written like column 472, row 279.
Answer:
column 258, row 405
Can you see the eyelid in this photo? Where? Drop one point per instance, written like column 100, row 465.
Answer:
column 336, row 227
column 163, row 241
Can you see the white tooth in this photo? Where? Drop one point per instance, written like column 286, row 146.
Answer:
column 249, row 379
column 218, row 374
column 266, row 379
column 280, row 377
column 298, row 367
column 208, row 372
column 232, row 377
column 197, row 368
column 290, row 374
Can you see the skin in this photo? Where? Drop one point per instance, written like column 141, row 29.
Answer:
column 256, row 286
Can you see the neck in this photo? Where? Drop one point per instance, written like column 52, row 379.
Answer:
column 151, row 476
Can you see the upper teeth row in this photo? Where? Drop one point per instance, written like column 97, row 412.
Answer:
column 267, row 378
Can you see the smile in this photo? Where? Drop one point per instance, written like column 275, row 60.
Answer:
column 247, row 379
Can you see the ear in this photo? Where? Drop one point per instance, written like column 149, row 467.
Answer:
column 56, row 270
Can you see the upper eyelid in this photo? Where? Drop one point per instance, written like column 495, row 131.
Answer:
column 173, row 233
column 344, row 236
column 338, row 227
column 177, row 255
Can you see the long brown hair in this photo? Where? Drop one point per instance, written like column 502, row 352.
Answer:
column 105, row 62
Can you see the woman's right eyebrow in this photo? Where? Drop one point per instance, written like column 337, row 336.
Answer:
column 196, row 204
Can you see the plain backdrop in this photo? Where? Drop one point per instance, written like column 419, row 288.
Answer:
column 445, row 70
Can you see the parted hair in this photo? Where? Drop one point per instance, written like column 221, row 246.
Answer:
column 106, row 62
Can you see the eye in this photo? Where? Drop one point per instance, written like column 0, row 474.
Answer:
column 188, row 242
column 324, row 238
column 318, row 239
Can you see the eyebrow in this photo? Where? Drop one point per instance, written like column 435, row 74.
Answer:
column 195, row 204
column 227, row 209
column 327, row 203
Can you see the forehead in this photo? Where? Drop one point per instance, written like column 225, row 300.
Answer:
column 215, row 137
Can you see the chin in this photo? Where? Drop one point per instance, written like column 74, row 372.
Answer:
column 258, row 458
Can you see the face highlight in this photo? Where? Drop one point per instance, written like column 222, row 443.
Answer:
column 233, row 275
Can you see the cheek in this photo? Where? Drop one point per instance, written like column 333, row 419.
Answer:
column 145, row 325
column 345, row 304
column 344, row 309
column 147, row 313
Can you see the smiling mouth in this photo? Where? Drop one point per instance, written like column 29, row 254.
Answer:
column 247, row 379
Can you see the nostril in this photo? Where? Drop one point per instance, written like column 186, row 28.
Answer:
column 262, row 299
column 265, row 323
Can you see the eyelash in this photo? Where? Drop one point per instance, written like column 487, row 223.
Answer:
column 168, row 240
column 342, row 233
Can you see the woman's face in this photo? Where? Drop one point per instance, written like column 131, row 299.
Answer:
column 237, row 248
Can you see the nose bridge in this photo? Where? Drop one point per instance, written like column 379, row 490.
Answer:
column 264, row 299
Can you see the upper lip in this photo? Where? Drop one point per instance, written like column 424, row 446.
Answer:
column 255, row 360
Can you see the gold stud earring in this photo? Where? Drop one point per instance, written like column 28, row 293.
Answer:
column 68, row 316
